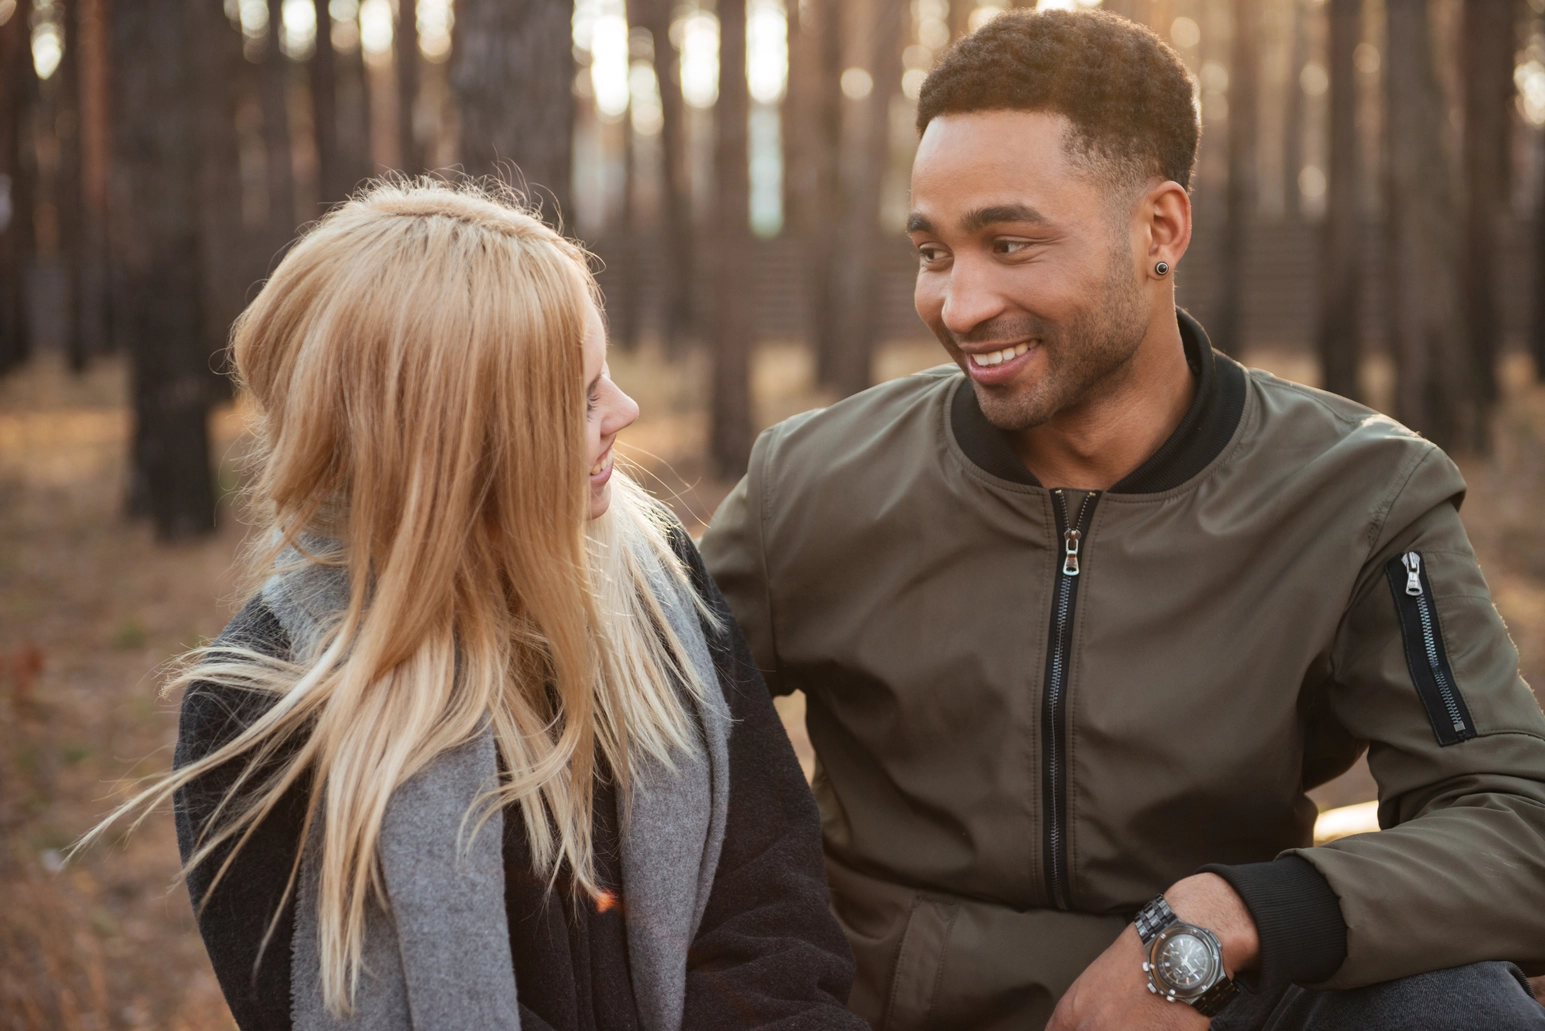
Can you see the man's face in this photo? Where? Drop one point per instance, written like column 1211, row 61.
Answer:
column 1028, row 266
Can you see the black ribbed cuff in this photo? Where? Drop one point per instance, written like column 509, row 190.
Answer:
column 1297, row 916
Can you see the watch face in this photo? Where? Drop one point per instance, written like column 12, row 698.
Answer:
column 1185, row 963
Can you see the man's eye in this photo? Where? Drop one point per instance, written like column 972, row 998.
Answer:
column 927, row 255
column 1010, row 246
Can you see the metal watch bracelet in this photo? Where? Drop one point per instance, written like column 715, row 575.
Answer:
column 1152, row 922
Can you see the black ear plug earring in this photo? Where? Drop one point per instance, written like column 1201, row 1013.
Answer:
column 1162, row 268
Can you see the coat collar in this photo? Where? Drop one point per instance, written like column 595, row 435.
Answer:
column 1206, row 428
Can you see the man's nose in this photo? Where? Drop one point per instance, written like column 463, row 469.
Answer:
column 969, row 301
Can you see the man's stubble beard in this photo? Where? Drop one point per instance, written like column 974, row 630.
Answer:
column 1084, row 356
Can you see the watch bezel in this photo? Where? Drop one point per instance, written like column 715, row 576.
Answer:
column 1160, row 986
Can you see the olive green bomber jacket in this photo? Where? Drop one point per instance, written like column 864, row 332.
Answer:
column 1034, row 709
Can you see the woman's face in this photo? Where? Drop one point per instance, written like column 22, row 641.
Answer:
column 608, row 411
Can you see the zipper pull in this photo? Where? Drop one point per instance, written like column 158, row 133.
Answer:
column 1413, row 563
column 1070, row 539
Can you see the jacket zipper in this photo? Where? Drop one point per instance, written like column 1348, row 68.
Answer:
column 1053, row 697
column 1425, row 653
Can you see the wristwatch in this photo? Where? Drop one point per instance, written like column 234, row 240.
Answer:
column 1185, row 962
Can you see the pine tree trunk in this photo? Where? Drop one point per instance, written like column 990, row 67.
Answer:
column 512, row 73
column 1537, row 322
column 1293, row 118
column 863, row 263
column 1128, row 9
column 68, row 201
column 324, row 108
column 18, row 90
column 1244, row 77
column 730, row 417
column 1338, row 334
column 93, row 308
column 351, row 93
column 624, row 307
column 157, row 143
column 1487, row 74
column 676, row 264
column 224, row 247
column 406, row 67
column 273, row 89
column 818, row 206
column 1433, row 386
column 960, row 17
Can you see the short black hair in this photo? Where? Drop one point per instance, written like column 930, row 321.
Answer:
column 1128, row 95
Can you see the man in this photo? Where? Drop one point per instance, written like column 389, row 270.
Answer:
column 1079, row 621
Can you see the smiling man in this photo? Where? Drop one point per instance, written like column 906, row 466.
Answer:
column 1080, row 618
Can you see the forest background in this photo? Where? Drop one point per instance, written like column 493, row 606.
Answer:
column 1368, row 219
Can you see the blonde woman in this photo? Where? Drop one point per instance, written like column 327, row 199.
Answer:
column 485, row 750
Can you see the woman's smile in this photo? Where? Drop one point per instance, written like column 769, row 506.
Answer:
column 602, row 470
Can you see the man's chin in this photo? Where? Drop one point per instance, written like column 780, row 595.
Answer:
column 1009, row 407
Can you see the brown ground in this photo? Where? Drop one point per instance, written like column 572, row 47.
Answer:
column 91, row 608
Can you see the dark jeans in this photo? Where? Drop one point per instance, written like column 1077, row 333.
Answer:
column 1479, row 997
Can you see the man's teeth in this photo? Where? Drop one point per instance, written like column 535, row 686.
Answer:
column 992, row 358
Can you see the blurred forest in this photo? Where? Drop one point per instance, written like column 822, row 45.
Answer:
column 1368, row 219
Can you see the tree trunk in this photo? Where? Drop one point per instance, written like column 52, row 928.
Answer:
column 224, row 248
column 406, row 67
column 507, row 49
column 324, row 109
column 625, row 310
column 1128, row 9
column 960, row 17
column 68, row 199
column 157, row 142
column 821, row 127
column 730, row 425
column 351, row 93
column 1293, row 118
column 1341, row 236
column 1434, row 391
column 801, row 104
column 1537, row 323
column 274, row 84
column 18, row 92
column 862, row 266
column 93, row 308
column 677, row 323
column 1244, row 77
column 1487, row 74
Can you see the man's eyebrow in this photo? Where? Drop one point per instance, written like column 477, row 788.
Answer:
column 918, row 223
column 979, row 219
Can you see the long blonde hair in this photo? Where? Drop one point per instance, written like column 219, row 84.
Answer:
column 416, row 366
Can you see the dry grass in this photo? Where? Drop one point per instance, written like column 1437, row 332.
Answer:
column 91, row 607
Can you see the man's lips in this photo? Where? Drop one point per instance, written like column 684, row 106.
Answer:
column 999, row 364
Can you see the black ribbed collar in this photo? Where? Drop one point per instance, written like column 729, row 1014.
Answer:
column 1208, row 424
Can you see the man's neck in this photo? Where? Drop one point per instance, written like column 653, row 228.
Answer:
column 1097, row 442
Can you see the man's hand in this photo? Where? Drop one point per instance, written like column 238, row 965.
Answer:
column 1112, row 993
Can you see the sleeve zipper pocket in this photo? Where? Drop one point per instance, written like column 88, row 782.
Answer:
column 1426, row 655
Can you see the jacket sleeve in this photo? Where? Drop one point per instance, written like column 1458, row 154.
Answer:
column 734, row 554
column 233, row 918
column 769, row 954
column 1457, row 874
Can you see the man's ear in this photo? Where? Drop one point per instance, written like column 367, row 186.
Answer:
column 1164, row 213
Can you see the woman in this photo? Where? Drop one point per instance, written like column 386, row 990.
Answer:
column 486, row 749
